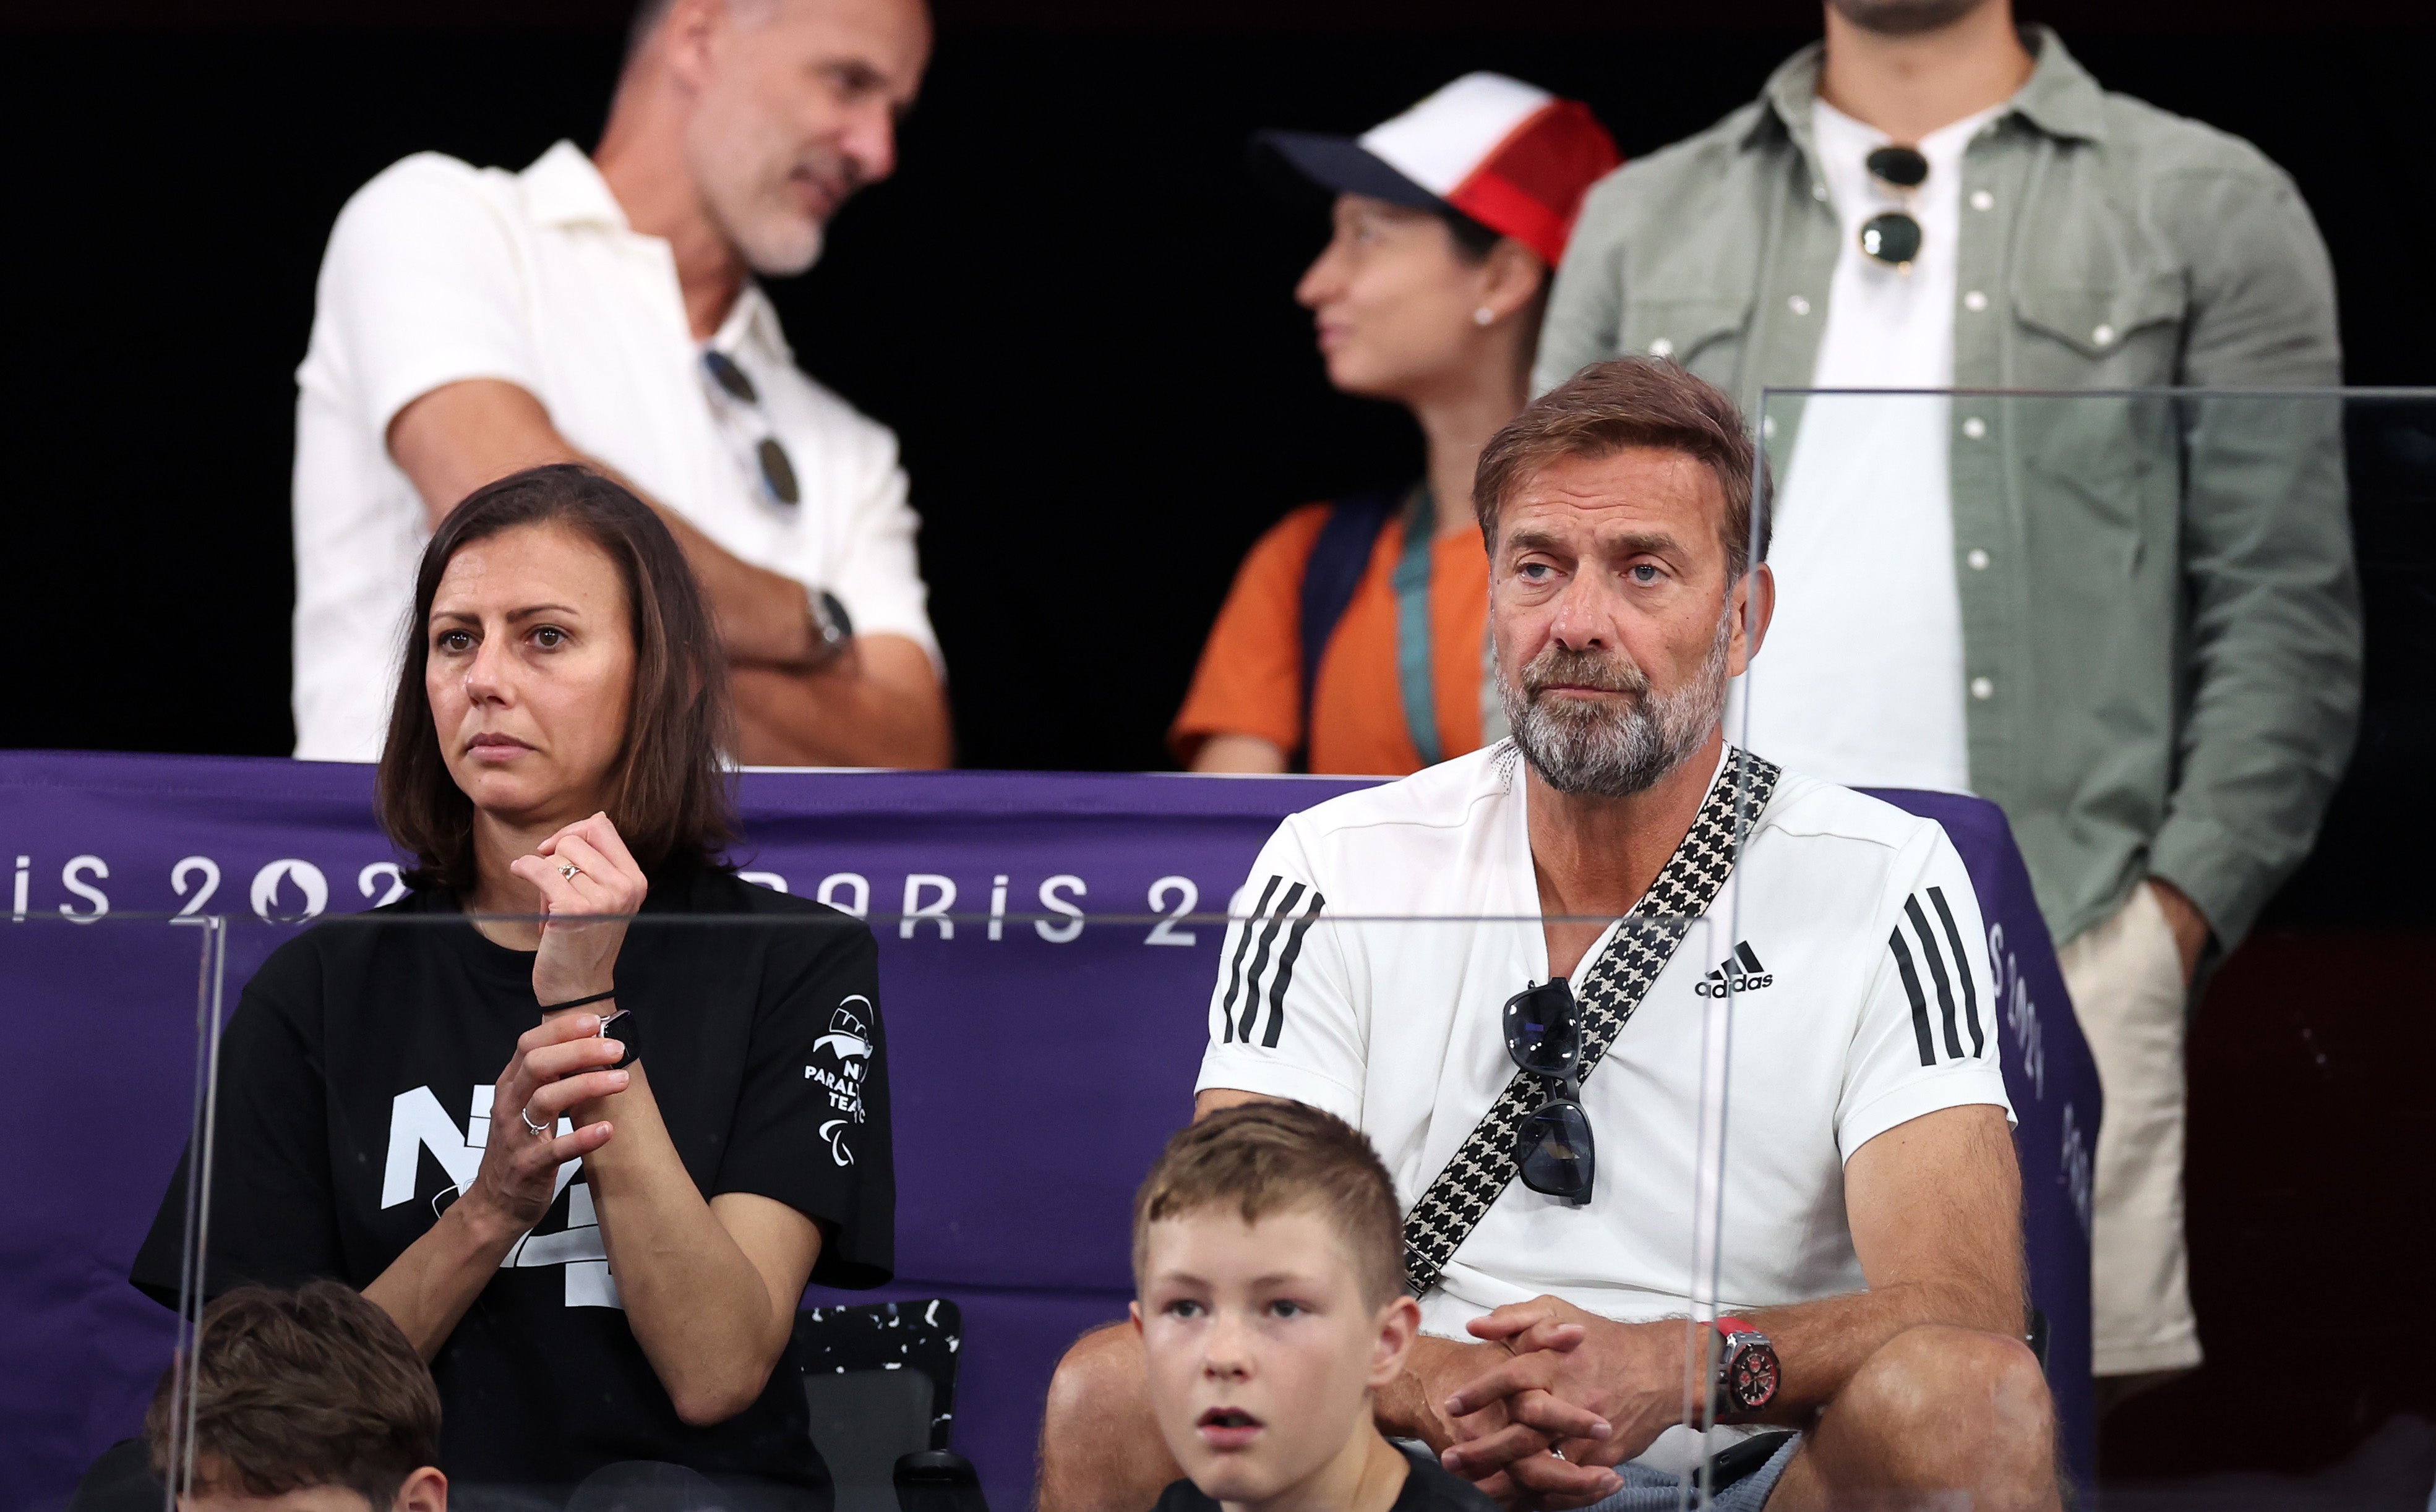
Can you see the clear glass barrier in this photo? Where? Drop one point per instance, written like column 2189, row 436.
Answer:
column 106, row 1031
column 1039, row 1038
column 1017, row 1070
column 2097, row 638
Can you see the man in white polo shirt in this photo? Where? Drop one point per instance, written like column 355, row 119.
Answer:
column 1870, row 1255
column 471, row 322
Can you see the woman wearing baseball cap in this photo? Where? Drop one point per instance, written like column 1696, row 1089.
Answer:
column 1356, row 635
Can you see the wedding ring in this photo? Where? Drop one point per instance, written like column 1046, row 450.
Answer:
column 1559, row 1452
column 570, row 870
column 539, row 1131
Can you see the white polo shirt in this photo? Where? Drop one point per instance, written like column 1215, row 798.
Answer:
column 1863, row 999
column 438, row 271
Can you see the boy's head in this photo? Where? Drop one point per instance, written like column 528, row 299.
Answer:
column 1269, row 1283
column 303, row 1401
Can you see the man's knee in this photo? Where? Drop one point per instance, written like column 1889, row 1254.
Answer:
column 1935, row 1410
column 1958, row 1386
column 1099, row 1377
column 1100, row 1449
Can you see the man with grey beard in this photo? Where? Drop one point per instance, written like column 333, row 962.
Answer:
column 1397, row 953
column 603, row 308
column 2132, row 624
column 1612, row 752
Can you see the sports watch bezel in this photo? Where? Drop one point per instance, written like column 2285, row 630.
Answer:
column 1749, row 1373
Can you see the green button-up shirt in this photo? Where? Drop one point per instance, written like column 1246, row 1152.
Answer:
column 2160, row 617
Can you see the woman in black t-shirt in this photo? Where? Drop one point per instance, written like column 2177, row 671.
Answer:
column 601, row 1246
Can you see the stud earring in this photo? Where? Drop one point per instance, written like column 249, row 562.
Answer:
column 1483, row 316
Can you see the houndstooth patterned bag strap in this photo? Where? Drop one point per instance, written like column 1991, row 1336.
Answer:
column 1644, row 941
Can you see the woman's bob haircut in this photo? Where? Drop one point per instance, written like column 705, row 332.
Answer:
column 669, row 795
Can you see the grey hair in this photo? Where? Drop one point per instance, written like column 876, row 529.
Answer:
column 648, row 17
column 649, row 14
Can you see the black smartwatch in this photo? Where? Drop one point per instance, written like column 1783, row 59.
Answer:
column 1748, row 1373
column 619, row 1026
column 832, row 628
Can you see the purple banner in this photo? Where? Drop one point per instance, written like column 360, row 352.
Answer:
column 1042, row 1053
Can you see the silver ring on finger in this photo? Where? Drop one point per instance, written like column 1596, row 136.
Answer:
column 1558, row 1453
column 539, row 1131
column 570, row 870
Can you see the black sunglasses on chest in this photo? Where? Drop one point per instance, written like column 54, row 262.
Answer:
column 1892, row 237
column 777, row 473
column 1553, row 1148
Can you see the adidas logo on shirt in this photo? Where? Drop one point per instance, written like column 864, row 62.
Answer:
column 1738, row 972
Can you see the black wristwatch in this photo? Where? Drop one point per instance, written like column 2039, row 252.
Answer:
column 619, row 1026
column 1748, row 1373
column 831, row 626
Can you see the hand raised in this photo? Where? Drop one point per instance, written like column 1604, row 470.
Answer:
column 588, row 882
column 558, row 1066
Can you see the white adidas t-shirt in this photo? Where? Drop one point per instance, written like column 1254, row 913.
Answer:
column 1841, row 1032
column 438, row 271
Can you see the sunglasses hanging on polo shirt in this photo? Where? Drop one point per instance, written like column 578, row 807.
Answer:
column 1894, row 237
column 777, row 473
column 1553, row 1147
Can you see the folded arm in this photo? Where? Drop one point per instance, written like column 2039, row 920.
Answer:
column 877, row 705
column 1934, row 1206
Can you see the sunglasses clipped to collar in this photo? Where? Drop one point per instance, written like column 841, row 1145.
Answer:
column 1892, row 237
column 777, row 473
column 1553, row 1148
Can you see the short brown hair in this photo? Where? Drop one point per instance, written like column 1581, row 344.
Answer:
column 1268, row 1157
column 1629, row 402
column 668, row 795
column 293, row 1389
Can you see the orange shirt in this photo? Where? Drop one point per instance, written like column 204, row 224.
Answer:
column 1251, row 678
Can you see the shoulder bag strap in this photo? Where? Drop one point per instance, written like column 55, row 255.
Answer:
column 1643, row 942
column 1413, row 670
column 1329, row 576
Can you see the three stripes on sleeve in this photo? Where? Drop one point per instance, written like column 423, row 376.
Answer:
column 1926, row 969
column 1271, row 938
column 1930, row 956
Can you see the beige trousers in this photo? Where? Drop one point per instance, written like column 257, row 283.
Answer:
column 2126, row 979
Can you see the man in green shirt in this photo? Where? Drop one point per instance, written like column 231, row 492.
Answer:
column 2131, row 621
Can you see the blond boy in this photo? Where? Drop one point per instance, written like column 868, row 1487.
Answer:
column 1267, row 1267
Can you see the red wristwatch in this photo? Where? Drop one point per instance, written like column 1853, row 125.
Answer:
column 1748, row 1374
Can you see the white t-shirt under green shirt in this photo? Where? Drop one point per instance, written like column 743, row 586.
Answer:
column 1861, row 679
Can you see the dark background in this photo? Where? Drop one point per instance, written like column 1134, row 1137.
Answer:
column 1073, row 308
column 1071, row 303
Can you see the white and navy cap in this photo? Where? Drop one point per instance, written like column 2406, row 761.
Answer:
column 1511, row 156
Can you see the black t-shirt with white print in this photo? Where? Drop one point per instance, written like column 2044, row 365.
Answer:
column 355, row 1084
